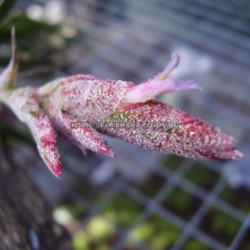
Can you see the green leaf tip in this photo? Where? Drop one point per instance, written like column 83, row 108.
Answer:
column 8, row 77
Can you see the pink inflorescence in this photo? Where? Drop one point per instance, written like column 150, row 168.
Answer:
column 82, row 107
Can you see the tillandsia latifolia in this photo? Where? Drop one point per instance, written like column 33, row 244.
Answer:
column 82, row 107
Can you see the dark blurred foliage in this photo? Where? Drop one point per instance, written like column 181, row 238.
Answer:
column 38, row 41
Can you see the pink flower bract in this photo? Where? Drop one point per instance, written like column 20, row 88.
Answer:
column 82, row 107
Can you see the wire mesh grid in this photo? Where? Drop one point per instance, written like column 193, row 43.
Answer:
column 132, row 40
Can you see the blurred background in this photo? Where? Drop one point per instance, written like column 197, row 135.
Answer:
column 140, row 199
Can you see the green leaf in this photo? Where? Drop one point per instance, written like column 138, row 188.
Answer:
column 9, row 75
column 26, row 26
column 5, row 7
column 34, row 44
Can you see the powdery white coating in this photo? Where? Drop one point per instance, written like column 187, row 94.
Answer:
column 24, row 103
column 149, row 114
column 191, row 138
column 89, row 98
column 86, row 100
column 84, row 136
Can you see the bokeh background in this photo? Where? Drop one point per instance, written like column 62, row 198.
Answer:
column 141, row 199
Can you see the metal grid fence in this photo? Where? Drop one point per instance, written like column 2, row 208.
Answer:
column 132, row 40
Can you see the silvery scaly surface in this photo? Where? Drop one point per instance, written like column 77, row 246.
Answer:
column 82, row 107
